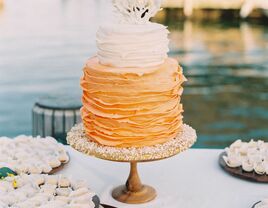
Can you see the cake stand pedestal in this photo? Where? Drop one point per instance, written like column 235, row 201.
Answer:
column 133, row 192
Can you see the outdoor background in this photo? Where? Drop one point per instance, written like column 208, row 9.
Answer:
column 44, row 44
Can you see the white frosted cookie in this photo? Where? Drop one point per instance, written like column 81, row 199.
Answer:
column 45, row 191
column 32, row 155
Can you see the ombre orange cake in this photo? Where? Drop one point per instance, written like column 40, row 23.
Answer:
column 131, row 89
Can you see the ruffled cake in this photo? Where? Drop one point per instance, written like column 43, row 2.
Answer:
column 132, row 89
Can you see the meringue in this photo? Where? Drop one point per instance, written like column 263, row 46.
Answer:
column 247, row 166
column 250, row 156
column 31, row 155
column 232, row 162
column 44, row 191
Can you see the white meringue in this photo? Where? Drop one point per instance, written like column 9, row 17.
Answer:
column 52, row 179
column 25, row 154
column 252, row 143
column 243, row 149
column 30, row 193
column 236, row 144
column 247, row 166
column 251, row 156
column 232, row 162
column 63, row 182
column 63, row 191
column 259, row 168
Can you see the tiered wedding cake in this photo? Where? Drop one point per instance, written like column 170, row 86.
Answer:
column 132, row 89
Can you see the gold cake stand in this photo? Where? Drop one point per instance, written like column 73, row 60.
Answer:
column 133, row 192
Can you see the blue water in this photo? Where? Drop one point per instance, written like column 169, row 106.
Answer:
column 44, row 44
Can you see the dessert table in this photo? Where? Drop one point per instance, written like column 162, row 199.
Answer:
column 192, row 179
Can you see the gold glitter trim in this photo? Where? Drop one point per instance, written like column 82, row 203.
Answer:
column 78, row 140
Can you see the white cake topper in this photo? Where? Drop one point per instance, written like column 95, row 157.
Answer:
column 136, row 11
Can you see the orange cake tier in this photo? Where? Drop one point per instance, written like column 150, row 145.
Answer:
column 132, row 107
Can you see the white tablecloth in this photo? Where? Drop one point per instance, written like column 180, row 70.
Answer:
column 192, row 179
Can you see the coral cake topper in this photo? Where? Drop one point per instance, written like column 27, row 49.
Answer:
column 136, row 11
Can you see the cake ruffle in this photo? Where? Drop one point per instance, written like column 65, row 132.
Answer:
column 123, row 108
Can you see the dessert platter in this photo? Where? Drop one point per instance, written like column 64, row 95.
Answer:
column 132, row 109
column 246, row 160
column 46, row 191
column 28, row 155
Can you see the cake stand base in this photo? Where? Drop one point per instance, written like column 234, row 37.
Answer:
column 146, row 194
column 134, row 192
